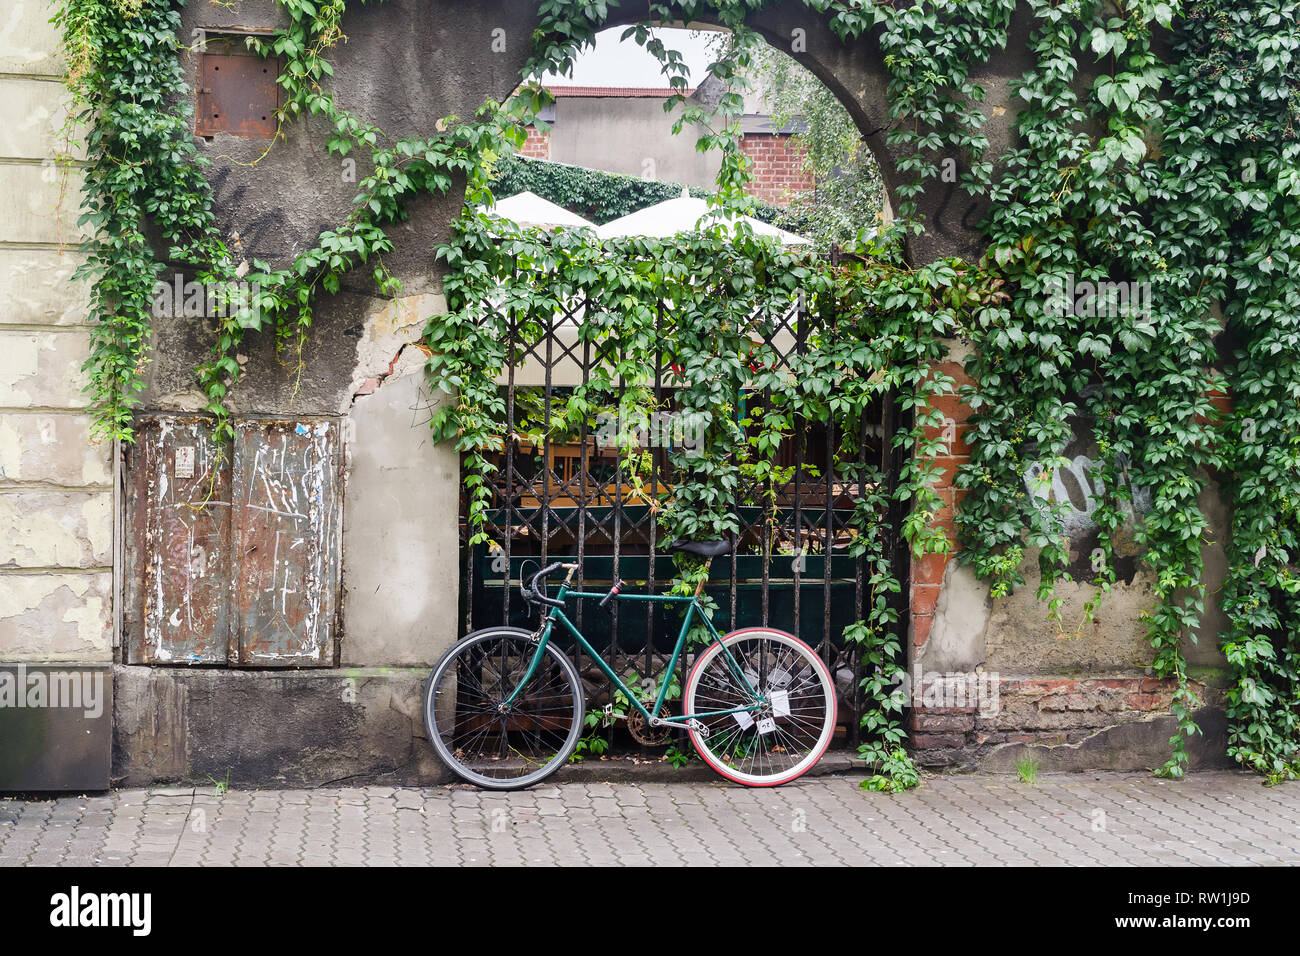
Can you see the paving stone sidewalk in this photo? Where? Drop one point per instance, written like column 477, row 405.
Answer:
column 1211, row 818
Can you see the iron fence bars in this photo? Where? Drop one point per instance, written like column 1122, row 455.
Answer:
column 562, row 491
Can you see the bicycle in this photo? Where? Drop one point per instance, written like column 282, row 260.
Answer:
column 504, row 707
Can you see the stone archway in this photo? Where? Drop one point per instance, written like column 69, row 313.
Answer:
column 399, row 542
column 454, row 56
column 450, row 59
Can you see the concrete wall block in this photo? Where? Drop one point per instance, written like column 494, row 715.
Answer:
column 56, row 726
column 629, row 136
column 401, row 552
column 361, row 725
column 33, row 117
column 40, row 529
column 37, row 289
column 43, row 369
column 1138, row 743
column 35, row 206
column 29, row 43
column 56, row 617
column 52, row 448
column 149, row 727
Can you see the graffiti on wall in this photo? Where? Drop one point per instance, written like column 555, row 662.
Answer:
column 1077, row 487
column 234, row 553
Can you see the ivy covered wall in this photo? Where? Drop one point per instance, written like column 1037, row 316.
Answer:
column 1096, row 218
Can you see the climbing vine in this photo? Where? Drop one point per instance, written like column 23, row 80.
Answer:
column 1236, row 115
column 1173, row 183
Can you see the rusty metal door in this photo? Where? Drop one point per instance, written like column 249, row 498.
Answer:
column 287, row 526
column 233, row 558
column 179, row 507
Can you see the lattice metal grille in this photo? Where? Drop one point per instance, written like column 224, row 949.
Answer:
column 556, row 499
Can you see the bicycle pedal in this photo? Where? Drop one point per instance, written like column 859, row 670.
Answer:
column 698, row 727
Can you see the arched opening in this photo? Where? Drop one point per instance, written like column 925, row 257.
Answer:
column 564, row 494
column 847, row 73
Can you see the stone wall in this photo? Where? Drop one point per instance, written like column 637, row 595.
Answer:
column 56, row 488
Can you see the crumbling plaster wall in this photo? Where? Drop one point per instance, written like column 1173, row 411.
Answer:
column 56, row 515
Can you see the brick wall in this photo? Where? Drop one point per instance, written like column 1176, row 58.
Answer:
column 779, row 175
column 1092, row 721
column 537, row 145
column 1070, row 712
column 927, row 573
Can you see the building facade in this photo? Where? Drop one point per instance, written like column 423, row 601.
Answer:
column 269, row 645
column 625, row 130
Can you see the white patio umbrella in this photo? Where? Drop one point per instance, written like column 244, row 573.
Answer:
column 530, row 209
column 685, row 214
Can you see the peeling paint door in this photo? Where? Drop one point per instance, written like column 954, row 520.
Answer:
column 286, row 528
column 179, row 500
column 234, row 558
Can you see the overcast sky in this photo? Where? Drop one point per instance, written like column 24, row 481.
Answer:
column 612, row 63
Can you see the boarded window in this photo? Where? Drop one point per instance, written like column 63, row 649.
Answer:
column 234, row 557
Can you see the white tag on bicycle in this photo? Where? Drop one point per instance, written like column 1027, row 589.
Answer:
column 780, row 703
column 779, row 677
column 766, row 726
column 743, row 718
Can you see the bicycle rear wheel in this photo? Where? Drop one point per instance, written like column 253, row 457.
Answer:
column 784, row 737
column 481, row 739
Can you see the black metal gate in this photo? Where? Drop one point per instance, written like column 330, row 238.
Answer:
column 554, row 500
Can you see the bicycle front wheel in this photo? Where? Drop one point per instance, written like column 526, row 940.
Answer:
column 486, row 741
column 789, row 730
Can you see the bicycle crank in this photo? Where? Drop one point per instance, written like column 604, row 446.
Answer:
column 653, row 733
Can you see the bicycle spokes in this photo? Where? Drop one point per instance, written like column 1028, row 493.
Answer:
column 782, row 704
column 484, row 734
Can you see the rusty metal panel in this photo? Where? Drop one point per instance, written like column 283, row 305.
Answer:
column 286, row 528
column 237, row 92
column 179, row 543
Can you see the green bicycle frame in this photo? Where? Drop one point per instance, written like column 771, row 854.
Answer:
column 557, row 615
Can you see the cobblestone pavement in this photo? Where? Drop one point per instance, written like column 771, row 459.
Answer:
column 1111, row 819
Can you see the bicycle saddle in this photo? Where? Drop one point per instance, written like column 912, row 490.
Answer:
column 704, row 549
